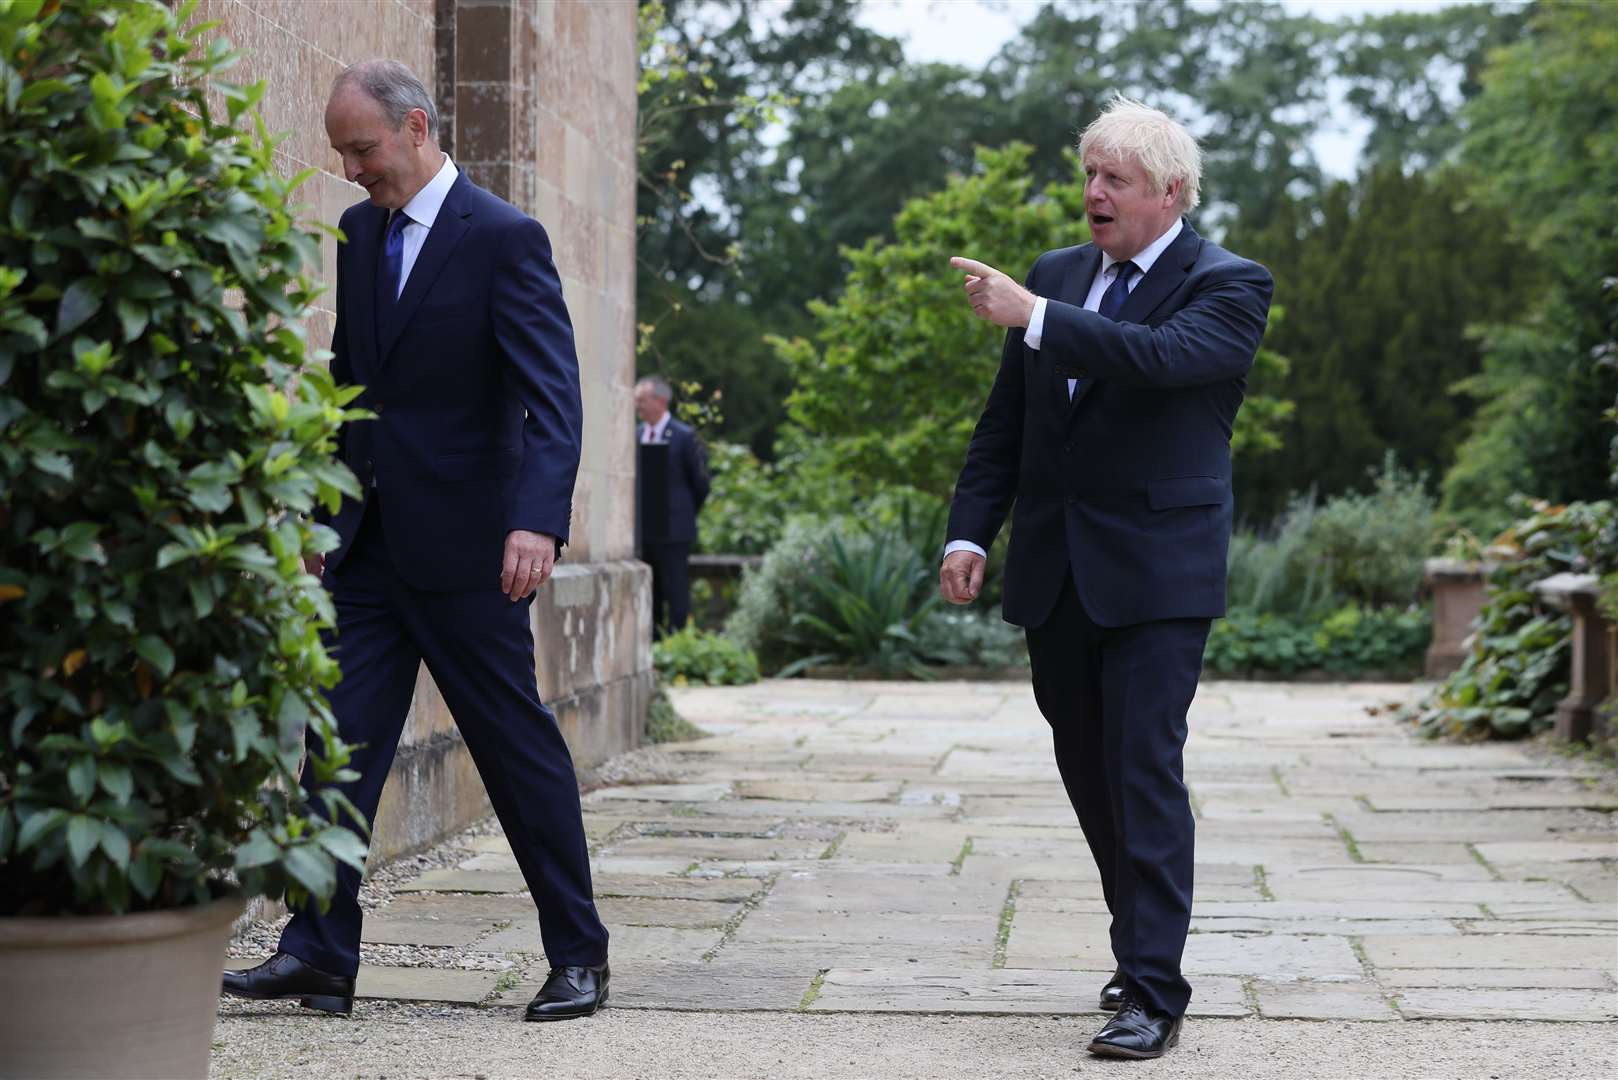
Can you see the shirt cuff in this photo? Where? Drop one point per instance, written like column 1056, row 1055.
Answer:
column 964, row 545
column 1036, row 324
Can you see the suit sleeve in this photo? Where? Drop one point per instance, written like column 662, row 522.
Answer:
column 535, row 338
column 988, row 481
column 697, row 471
column 1212, row 339
column 342, row 365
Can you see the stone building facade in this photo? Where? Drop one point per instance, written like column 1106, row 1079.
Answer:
column 537, row 104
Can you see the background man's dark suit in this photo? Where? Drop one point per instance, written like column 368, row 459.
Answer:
column 474, row 380
column 666, row 545
column 1118, row 544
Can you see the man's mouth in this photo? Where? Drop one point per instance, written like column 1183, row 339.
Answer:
column 1101, row 219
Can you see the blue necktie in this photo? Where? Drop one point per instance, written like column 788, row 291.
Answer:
column 393, row 253
column 1112, row 301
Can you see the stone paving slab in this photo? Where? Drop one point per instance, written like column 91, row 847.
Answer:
column 995, row 992
column 438, row 933
column 687, row 986
column 424, row 984
column 471, row 881
column 1488, row 951
column 1558, row 1005
column 670, row 887
column 1306, row 1000
column 1497, row 978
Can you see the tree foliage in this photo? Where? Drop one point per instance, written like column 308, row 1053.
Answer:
column 1379, row 285
column 1543, row 138
column 163, row 440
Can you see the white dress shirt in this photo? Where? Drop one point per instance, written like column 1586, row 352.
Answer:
column 655, row 433
column 1035, row 334
column 422, row 210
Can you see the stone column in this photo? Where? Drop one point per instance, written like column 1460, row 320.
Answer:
column 1457, row 589
column 537, row 99
column 1580, row 716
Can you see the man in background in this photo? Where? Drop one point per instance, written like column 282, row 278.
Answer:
column 666, row 538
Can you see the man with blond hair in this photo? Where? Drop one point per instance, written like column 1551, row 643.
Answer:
column 1108, row 430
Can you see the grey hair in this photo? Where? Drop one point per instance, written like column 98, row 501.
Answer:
column 659, row 386
column 1163, row 147
column 394, row 87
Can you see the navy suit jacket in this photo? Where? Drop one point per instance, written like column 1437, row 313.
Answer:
column 688, row 485
column 1128, row 486
column 475, row 383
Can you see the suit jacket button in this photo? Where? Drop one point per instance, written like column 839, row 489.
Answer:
column 377, row 408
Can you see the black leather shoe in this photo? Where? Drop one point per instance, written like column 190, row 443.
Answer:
column 1136, row 1032
column 285, row 976
column 1112, row 995
column 569, row 993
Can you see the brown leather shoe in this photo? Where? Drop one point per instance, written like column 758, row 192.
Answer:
column 570, row 992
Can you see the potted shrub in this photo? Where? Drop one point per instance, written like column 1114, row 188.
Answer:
column 162, row 447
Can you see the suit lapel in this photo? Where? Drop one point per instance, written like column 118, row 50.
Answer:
column 1081, row 274
column 366, row 259
column 442, row 239
column 1167, row 274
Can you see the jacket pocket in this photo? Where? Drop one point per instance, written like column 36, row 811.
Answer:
column 1176, row 491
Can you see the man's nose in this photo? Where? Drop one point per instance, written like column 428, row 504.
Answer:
column 351, row 169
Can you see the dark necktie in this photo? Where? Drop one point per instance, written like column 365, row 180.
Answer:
column 1112, row 301
column 393, row 253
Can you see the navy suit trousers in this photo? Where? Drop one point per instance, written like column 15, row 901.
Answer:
column 479, row 648
column 1116, row 699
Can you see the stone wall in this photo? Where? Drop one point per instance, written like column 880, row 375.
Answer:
column 537, row 104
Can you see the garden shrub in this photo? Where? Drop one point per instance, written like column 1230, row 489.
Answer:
column 696, row 656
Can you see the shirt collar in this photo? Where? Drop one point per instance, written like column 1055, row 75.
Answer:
column 1143, row 262
column 661, row 426
column 424, row 206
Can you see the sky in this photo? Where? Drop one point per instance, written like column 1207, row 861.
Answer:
column 969, row 32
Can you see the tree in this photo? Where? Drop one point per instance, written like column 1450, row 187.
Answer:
column 1380, row 285
column 890, row 388
column 1543, row 138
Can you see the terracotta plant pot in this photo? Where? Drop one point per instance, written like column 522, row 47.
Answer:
column 112, row 996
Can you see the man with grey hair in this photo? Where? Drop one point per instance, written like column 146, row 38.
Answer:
column 668, row 521
column 1107, row 435
column 450, row 313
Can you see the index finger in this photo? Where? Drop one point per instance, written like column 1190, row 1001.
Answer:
column 972, row 266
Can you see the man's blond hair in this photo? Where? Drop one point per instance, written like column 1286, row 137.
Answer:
column 1165, row 149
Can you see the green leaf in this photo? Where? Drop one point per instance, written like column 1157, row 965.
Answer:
column 132, row 317
column 37, row 825
column 343, row 845
column 258, row 850
column 155, row 651
column 83, row 833
column 82, row 300
column 313, row 869
column 116, row 779
column 145, row 874
column 115, row 842
column 81, row 778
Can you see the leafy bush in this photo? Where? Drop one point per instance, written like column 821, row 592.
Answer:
column 693, row 655
column 768, row 595
column 1350, row 641
column 1360, row 548
column 163, row 443
column 1372, row 545
column 971, row 637
column 1519, row 665
column 864, row 605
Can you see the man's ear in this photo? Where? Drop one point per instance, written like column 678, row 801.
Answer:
column 416, row 121
column 1171, row 192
